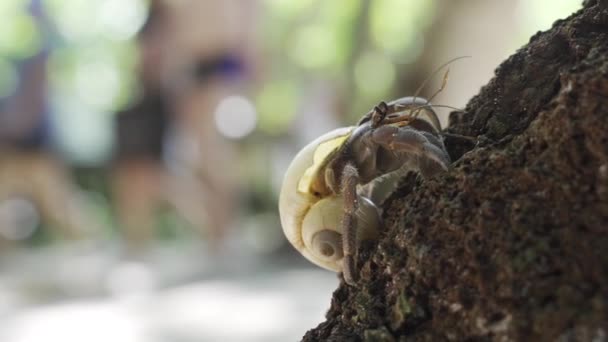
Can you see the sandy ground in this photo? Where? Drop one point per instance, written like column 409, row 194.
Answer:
column 173, row 293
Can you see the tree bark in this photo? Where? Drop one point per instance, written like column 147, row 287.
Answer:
column 512, row 242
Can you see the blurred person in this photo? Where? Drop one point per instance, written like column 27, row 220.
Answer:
column 214, row 54
column 168, row 148
column 138, row 173
column 28, row 168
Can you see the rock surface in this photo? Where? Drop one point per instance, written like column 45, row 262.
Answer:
column 512, row 242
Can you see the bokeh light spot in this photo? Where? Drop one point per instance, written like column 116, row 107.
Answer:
column 20, row 37
column 120, row 19
column 276, row 103
column 395, row 24
column 235, row 117
column 73, row 18
column 314, row 47
column 84, row 134
column 374, row 74
column 18, row 219
column 101, row 93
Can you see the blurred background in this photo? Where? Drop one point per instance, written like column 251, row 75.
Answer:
column 143, row 145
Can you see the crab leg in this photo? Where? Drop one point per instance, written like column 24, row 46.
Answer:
column 428, row 148
column 350, row 179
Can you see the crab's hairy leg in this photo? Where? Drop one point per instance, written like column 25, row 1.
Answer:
column 350, row 179
column 433, row 139
column 432, row 157
column 434, row 160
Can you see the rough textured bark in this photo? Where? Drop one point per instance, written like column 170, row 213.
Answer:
column 512, row 242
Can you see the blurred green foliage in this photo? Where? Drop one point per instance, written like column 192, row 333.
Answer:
column 91, row 69
column 396, row 26
column 357, row 46
column 275, row 103
column 360, row 48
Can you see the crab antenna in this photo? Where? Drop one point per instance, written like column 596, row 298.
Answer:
column 417, row 110
column 427, row 105
column 423, row 84
column 443, row 82
column 440, row 106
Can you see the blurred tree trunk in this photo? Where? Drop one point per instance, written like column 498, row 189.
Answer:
column 454, row 34
column 512, row 242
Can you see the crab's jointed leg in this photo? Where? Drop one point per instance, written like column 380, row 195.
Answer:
column 429, row 150
column 350, row 179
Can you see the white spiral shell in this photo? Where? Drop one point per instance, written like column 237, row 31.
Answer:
column 313, row 225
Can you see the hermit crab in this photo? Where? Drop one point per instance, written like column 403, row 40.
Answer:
column 327, row 202
column 333, row 189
